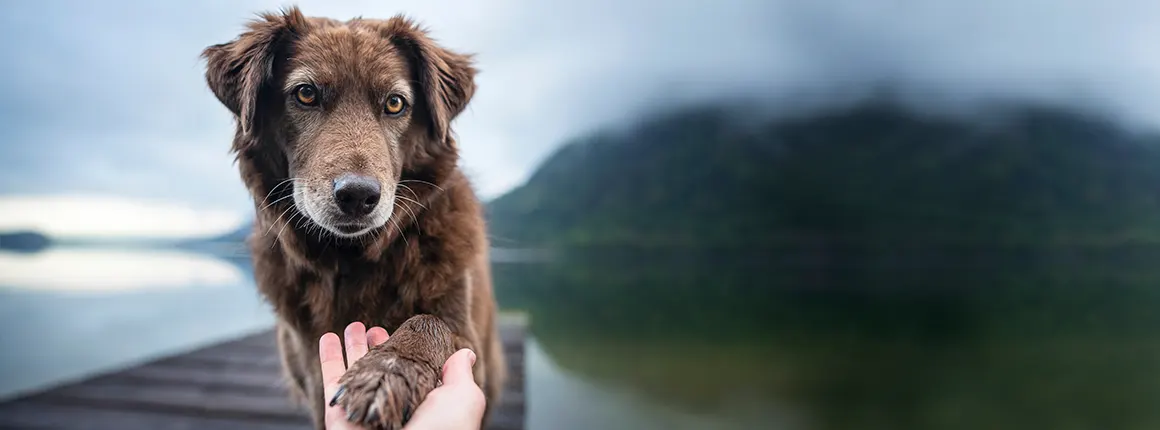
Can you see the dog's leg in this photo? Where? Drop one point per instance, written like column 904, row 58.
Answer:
column 317, row 397
column 303, row 372
column 495, row 366
column 295, row 380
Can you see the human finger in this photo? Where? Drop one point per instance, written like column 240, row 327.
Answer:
column 355, row 338
column 458, row 403
column 457, row 368
column 376, row 336
column 330, row 355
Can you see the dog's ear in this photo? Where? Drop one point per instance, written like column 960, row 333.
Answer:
column 447, row 78
column 239, row 71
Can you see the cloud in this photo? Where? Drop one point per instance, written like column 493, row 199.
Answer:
column 109, row 96
column 92, row 217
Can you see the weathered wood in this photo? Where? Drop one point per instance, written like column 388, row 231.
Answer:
column 232, row 385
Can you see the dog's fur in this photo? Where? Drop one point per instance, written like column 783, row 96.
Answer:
column 418, row 265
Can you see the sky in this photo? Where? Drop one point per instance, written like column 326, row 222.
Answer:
column 108, row 98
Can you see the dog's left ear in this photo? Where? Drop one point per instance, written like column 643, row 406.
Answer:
column 447, row 78
column 240, row 71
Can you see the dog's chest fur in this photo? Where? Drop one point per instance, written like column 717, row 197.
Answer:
column 318, row 287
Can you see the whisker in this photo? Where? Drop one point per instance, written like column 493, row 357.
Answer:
column 276, row 219
column 405, row 187
column 279, row 236
column 276, row 201
column 272, row 189
column 414, row 221
column 373, row 237
column 275, row 188
column 302, row 223
column 400, row 230
column 312, row 228
column 405, row 199
column 414, row 200
column 422, row 182
column 414, row 218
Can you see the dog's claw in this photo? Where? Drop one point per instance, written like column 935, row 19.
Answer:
column 372, row 414
column 338, row 395
column 382, row 390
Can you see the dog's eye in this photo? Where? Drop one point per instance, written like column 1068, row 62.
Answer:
column 395, row 105
column 306, row 94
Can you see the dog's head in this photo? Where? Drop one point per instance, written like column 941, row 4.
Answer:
column 347, row 107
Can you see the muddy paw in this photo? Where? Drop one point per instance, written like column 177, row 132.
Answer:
column 382, row 389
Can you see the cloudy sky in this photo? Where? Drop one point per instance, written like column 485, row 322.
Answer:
column 108, row 98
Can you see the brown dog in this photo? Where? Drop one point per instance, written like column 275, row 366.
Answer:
column 343, row 138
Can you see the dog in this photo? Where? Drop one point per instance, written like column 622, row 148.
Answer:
column 343, row 137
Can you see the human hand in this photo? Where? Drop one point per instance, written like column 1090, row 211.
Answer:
column 456, row 404
column 359, row 340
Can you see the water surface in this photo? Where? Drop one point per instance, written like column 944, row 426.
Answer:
column 620, row 339
column 918, row 339
column 66, row 313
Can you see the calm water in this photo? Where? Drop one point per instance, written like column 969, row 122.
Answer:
column 66, row 313
column 921, row 339
column 990, row 339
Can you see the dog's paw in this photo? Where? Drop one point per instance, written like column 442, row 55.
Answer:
column 382, row 389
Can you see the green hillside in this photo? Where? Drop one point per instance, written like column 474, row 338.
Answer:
column 871, row 174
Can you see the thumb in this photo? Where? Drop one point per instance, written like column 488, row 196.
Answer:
column 457, row 369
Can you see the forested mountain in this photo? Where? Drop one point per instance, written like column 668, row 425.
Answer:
column 872, row 173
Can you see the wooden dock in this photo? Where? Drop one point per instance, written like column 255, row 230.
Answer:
column 231, row 385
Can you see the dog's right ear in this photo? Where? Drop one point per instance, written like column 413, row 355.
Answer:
column 239, row 71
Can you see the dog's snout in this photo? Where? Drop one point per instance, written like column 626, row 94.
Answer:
column 356, row 195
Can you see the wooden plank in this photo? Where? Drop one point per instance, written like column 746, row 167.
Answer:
column 234, row 384
column 31, row 415
column 160, row 374
column 190, row 399
column 222, row 362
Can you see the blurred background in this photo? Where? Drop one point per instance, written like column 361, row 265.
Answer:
column 791, row 214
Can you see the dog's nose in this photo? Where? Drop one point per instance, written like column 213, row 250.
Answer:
column 356, row 195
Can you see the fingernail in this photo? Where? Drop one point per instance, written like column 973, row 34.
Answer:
column 338, row 395
column 472, row 354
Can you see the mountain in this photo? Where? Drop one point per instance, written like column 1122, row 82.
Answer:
column 228, row 244
column 237, row 236
column 24, row 241
column 874, row 173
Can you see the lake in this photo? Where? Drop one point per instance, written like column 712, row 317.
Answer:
column 916, row 339
column 845, row 339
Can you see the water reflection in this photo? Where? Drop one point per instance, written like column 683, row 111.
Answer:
column 955, row 339
column 562, row 399
column 920, row 339
column 109, row 270
column 67, row 313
